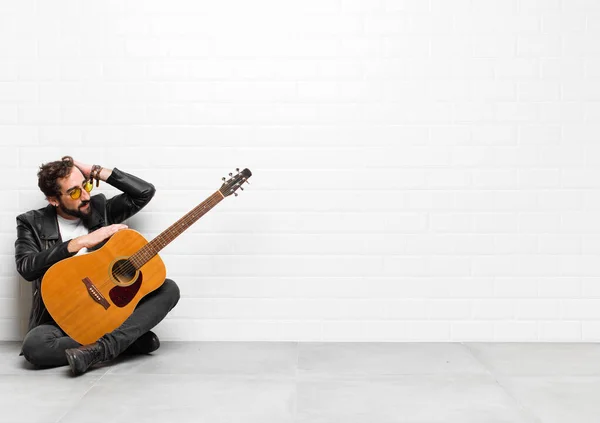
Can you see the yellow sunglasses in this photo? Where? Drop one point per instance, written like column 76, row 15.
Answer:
column 75, row 193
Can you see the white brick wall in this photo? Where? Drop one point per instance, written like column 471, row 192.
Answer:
column 423, row 170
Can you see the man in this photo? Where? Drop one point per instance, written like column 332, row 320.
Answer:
column 76, row 223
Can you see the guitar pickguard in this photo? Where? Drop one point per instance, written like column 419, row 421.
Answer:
column 122, row 295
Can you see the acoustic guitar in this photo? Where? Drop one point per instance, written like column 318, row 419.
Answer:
column 93, row 294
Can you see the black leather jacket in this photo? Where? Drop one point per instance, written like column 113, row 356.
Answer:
column 39, row 244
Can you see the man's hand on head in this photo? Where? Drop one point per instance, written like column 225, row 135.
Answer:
column 99, row 173
column 83, row 167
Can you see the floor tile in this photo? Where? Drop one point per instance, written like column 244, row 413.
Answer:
column 197, row 398
column 408, row 399
column 539, row 359
column 41, row 398
column 558, row 399
column 214, row 358
column 385, row 359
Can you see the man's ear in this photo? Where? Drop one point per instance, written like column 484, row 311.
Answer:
column 53, row 201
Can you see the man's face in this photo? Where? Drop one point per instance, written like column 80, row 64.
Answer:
column 73, row 207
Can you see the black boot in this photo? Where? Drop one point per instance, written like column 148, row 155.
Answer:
column 145, row 344
column 82, row 358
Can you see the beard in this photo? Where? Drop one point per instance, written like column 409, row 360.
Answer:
column 83, row 215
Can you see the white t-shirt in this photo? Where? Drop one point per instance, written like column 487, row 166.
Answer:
column 70, row 229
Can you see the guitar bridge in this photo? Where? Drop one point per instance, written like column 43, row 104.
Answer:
column 95, row 294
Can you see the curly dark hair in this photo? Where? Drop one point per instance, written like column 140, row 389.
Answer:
column 51, row 172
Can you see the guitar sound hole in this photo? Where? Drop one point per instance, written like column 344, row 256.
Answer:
column 124, row 272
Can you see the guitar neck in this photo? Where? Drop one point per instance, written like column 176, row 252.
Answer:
column 161, row 241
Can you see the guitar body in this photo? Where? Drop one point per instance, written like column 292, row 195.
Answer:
column 93, row 294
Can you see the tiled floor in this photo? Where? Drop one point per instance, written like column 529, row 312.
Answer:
column 314, row 382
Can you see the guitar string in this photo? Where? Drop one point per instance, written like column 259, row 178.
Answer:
column 190, row 218
column 127, row 265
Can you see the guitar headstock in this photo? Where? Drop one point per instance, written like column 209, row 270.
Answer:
column 231, row 185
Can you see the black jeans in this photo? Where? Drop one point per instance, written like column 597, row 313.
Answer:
column 45, row 345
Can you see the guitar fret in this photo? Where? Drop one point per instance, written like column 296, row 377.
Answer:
column 152, row 248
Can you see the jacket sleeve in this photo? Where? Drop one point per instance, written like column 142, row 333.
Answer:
column 136, row 193
column 31, row 261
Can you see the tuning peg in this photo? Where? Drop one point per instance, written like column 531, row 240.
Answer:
column 235, row 193
column 238, row 169
column 231, row 174
column 223, row 178
column 241, row 188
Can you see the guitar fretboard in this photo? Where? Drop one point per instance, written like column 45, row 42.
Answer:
column 146, row 253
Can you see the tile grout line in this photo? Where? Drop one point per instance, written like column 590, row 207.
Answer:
column 295, row 408
column 520, row 406
column 83, row 396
